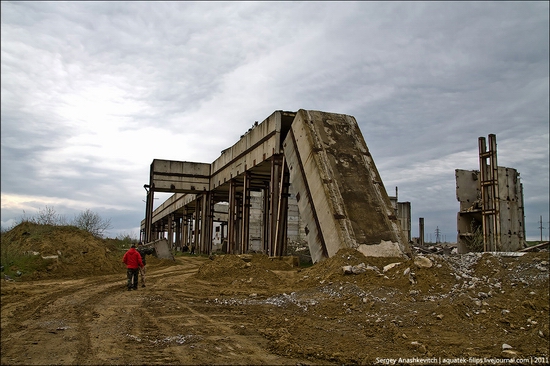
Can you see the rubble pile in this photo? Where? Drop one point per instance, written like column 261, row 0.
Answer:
column 475, row 303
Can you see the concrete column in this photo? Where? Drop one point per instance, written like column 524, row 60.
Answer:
column 274, row 190
column 178, row 233
column 421, row 231
column 149, row 214
column 245, row 222
column 238, row 221
column 231, row 218
column 185, row 230
column 170, row 231
column 265, row 219
column 282, row 215
column 195, row 243
column 206, row 223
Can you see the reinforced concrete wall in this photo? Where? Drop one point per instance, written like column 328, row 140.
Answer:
column 339, row 191
column 469, row 218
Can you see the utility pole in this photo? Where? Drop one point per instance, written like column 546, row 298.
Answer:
column 541, row 227
column 437, row 234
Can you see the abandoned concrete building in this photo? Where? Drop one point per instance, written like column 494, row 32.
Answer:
column 308, row 176
column 305, row 174
column 491, row 216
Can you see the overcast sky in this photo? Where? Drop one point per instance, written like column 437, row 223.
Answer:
column 92, row 92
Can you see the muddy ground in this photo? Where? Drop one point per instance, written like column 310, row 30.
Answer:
column 254, row 310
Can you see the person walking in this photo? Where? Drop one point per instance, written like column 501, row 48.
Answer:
column 143, row 251
column 133, row 262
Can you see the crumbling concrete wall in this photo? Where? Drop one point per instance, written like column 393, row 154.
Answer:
column 339, row 191
column 469, row 218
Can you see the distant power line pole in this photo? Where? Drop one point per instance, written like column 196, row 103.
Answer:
column 437, row 234
column 541, row 227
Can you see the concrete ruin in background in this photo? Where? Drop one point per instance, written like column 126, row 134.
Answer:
column 491, row 216
column 322, row 156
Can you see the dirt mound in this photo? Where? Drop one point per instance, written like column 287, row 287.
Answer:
column 249, row 269
column 58, row 251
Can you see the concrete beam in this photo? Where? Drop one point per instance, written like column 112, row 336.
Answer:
column 255, row 147
column 180, row 176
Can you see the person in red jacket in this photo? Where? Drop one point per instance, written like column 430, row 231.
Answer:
column 133, row 262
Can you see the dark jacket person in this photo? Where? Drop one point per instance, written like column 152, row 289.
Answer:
column 143, row 252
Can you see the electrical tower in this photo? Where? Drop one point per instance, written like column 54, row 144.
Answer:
column 437, row 235
column 541, row 227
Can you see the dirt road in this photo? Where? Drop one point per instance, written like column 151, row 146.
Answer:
column 95, row 321
column 253, row 310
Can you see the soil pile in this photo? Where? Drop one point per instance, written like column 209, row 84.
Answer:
column 243, row 270
column 60, row 251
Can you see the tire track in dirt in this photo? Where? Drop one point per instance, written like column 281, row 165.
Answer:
column 57, row 319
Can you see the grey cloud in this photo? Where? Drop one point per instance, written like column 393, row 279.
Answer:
column 424, row 81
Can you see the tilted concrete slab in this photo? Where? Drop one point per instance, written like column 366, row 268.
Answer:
column 162, row 249
column 340, row 193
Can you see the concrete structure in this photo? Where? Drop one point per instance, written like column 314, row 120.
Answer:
column 403, row 213
column 491, row 216
column 342, row 200
column 340, row 194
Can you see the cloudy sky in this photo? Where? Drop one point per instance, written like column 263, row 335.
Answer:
column 92, row 92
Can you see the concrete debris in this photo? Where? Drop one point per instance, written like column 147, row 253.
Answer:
column 390, row 266
column 482, row 295
column 506, row 346
column 347, row 269
column 412, row 278
column 360, row 268
column 50, row 257
column 422, row 262
column 440, row 249
column 536, row 248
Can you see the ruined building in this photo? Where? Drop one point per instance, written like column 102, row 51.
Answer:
column 322, row 156
column 491, row 216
